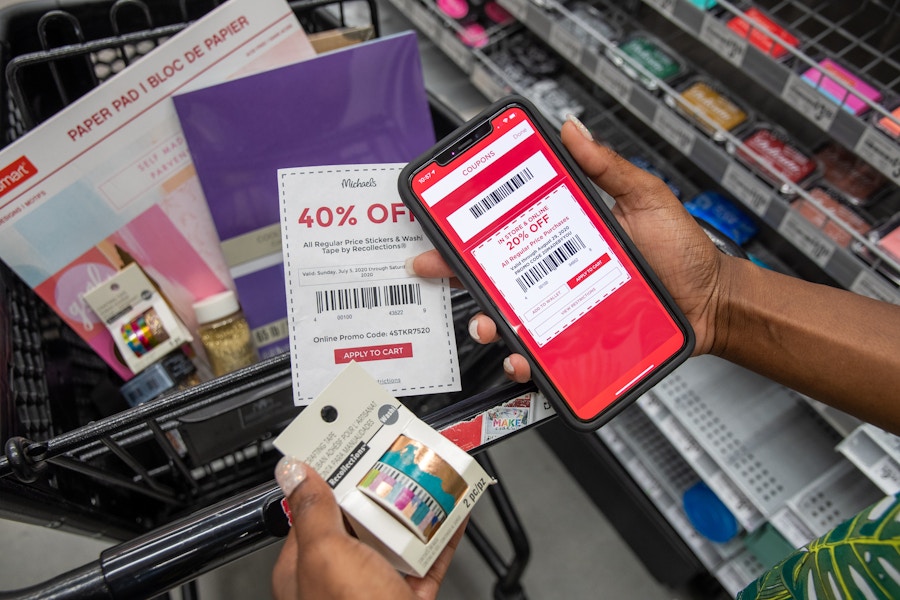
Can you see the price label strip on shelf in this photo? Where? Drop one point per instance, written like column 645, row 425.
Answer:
column 517, row 8
column 747, row 188
column 458, row 52
column 873, row 285
column 804, row 235
column 486, row 83
column 666, row 7
column 613, row 80
column 881, row 152
column 808, row 101
column 676, row 131
column 346, row 237
column 422, row 18
column 566, row 44
column 723, row 40
column 791, row 527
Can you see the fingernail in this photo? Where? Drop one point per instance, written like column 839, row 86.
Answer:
column 289, row 473
column 408, row 265
column 508, row 366
column 580, row 126
column 473, row 329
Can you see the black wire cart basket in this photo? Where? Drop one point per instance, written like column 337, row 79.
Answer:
column 179, row 500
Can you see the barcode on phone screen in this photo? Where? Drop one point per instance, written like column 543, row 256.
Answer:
column 558, row 256
column 368, row 297
column 502, row 191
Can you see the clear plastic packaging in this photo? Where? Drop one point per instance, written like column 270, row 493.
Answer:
column 750, row 26
column 647, row 60
column 706, row 104
column 836, row 209
column 859, row 181
column 777, row 154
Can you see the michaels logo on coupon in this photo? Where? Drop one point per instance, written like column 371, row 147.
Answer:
column 15, row 174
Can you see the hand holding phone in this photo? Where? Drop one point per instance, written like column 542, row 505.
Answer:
column 539, row 250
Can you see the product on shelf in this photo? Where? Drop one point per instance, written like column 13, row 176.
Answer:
column 647, row 60
column 475, row 18
column 835, row 209
column 704, row 4
column 724, row 215
column 523, row 60
column 859, row 181
column 587, row 19
column 554, row 100
column 709, row 515
column 774, row 154
column 890, row 125
column 750, row 26
column 474, row 35
column 708, row 107
column 841, row 86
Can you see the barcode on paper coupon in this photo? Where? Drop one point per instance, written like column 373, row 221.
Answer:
column 559, row 255
column 500, row 192
column 368, row 297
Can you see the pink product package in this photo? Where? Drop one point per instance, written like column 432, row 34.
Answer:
column 841, row 86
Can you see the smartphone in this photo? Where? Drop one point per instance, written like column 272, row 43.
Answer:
column 542, row 254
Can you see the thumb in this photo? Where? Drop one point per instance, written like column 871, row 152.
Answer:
column 314, row 511
column 631, row 187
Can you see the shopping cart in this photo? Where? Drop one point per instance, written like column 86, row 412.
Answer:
column 181, row 502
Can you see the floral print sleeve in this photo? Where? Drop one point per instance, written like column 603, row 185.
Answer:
column 859, row 559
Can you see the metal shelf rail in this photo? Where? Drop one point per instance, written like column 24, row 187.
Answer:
column 552, row 22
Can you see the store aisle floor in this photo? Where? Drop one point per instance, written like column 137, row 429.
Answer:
column 576, row 553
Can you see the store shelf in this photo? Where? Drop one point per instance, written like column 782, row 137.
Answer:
column 664, row 476
column 552, row 22
column 876, row 453
column 767, row 452
column 783, row 77
column 824, row 503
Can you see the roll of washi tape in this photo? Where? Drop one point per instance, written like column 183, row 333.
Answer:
column 131, row 338
column 415, row 485
column 144, row 333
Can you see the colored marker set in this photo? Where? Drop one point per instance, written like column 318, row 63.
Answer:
column 403, row 487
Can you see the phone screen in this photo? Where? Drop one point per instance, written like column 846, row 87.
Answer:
column 556, row 272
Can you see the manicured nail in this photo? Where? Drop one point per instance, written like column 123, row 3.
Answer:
column 289, row 473
column 508, row 366
column 408, row 265
column 581, row 127
column 473, row 329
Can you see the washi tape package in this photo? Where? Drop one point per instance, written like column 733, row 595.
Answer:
column 403, row 487
column 143, row 326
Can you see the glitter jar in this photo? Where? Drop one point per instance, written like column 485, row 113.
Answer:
column 225, row 333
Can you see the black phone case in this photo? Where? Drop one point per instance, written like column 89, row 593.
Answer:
column 506, row 333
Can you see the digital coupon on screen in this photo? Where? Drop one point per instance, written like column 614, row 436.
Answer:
column 541, row 251
column 346, row 236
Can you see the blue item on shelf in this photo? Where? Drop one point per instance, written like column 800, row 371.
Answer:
column 724, row 215
column 709, row 516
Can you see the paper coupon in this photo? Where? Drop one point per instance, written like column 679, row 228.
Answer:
column 346, row 236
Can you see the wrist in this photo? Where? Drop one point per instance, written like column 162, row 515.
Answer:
column 737, row 279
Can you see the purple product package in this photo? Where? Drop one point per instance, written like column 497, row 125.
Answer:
column 363, row 104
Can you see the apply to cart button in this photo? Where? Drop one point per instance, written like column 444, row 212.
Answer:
column 366, row 353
